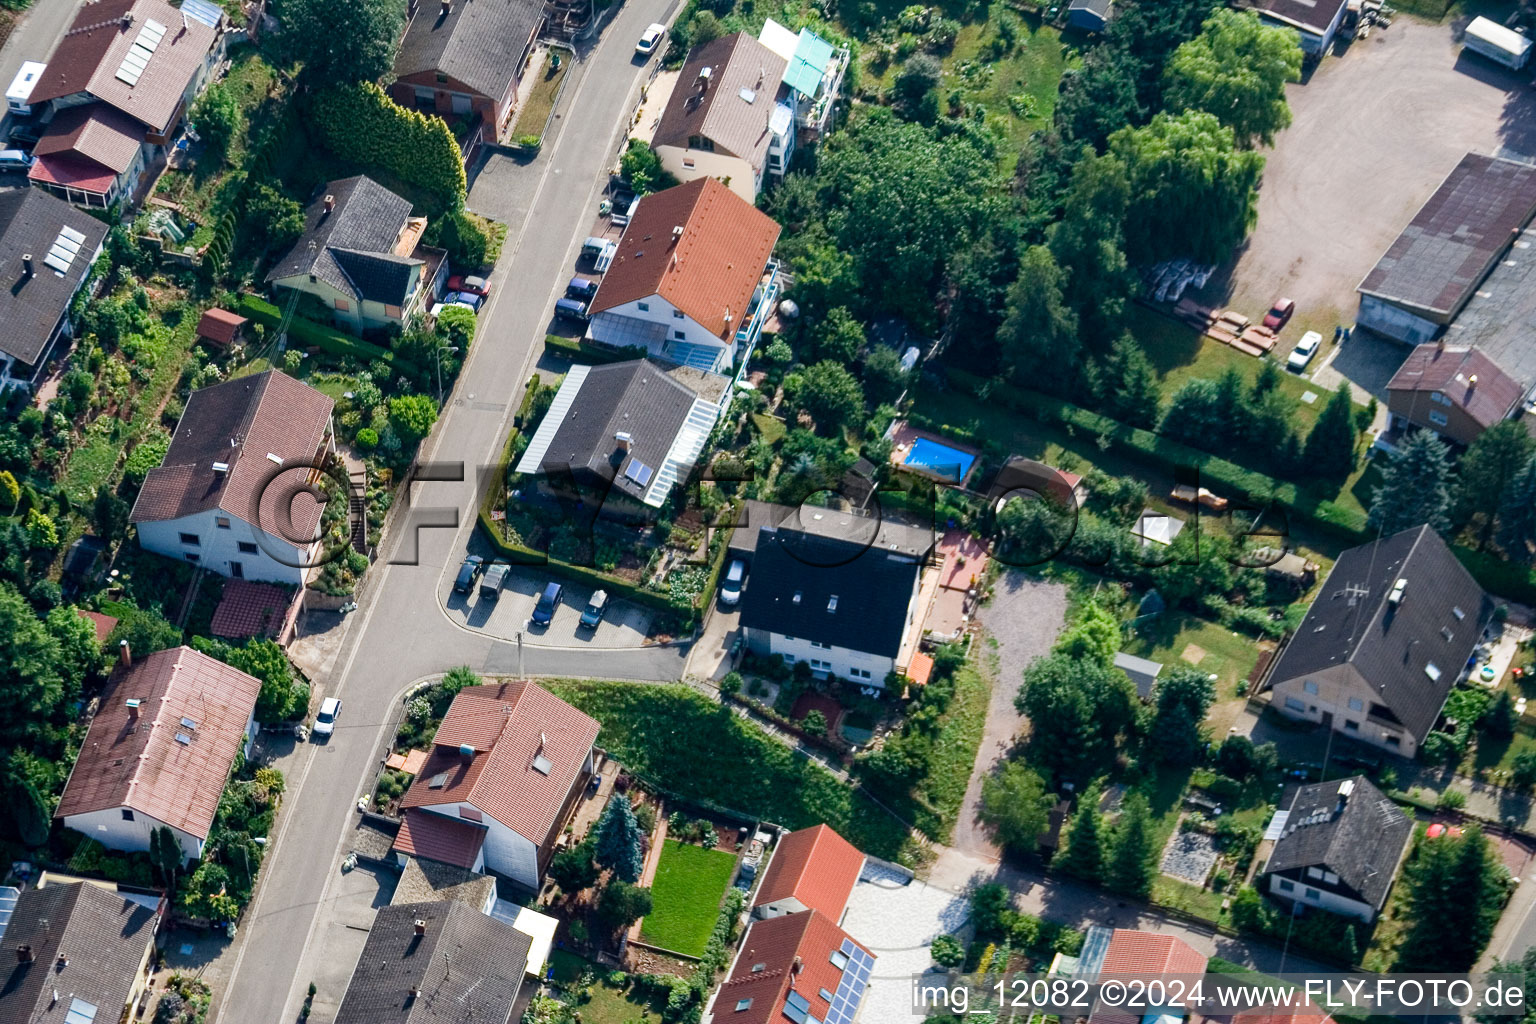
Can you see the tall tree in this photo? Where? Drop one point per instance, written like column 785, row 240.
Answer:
column 1451, row 878
column 1415, row 486
column 1039, row 338
column 1194, row 414
column 618, row 840
column 1236, row 69
column 1517, row 516
column 1330, row 449
column 1088, row 244
column 1077, row 710
column 1192, row 188
column 1486, row 471
column 1094, row 635
column 165, row 856
column 1182, row 698
column 827, row 391
column 349, row 42
column 1016, row 805
column 1126, row 386
column 1130, row 869
column 1084, row 855
column 623, row 903
column 282, row 696
column 839, row 337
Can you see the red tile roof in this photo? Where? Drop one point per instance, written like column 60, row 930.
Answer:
column 131, row 758
column 1136, row 952
column 239, row 423
column 816, row 866
column 1282, row 1016
column 774, row 945
column 508, row 725
column 74, row 171
column 709, row 272
column 87, row 59
column 440, row 838
column 1450, row 371
column 104, row 624
column 250, row 609
column 220, row 325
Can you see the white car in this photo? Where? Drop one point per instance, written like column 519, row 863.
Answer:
column 651, row 39
column 730, row 587
column 325, row 721
column 438, row 308
column 1305, row 349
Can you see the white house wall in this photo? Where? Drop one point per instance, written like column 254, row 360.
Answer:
column 658, row 311
column 1321, row 898
column 219, row 546
column 842, row 659
column 778, row 908
column 504, row 851
column 735, row 173
column 110, row 829
column 1335, row 686
column 1395, row 322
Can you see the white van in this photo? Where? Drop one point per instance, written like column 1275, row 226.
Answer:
column 15, row 160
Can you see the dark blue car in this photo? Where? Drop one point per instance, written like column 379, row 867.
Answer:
column 544, row 611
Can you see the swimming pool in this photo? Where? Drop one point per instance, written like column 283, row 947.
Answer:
column 939, row 459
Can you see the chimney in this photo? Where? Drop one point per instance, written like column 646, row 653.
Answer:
column 330, row 200
column 466, row 750
column 62, row 962
column 1471, row 385
column 124, row 654
column 705, row 74
column 415, row 992
column 447, row 6
column 1440, row 345
column 677, row 233
column 26, row 266
column 624, row 440
column 132, row 704
column 24, row 954
column 420, row 926
column 799, row 965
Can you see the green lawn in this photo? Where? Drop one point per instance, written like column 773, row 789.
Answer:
column 602, row 1002
column 686, row 897
column 1210, row 648
column 954, row 754
column 541, row 98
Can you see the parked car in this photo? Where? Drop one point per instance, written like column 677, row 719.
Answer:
column 600, row 252
column 572, row 309
column 595, row 609
column 325, row 721
column 494, row 580
column 581, row 288
column 15, row 160
column 1305, row 349
column 623, row 203
column 650, row 39
column 471, row 284
column 1279, row 314
column 730, row 587
column 24, row 134
column 469, row 299
column 468, row 573
column 544, row 610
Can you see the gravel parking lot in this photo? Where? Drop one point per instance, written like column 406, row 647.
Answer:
column 1375, row 132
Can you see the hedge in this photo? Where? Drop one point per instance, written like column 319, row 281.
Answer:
column 579, row 350
column 362, row 123
column 327, row 339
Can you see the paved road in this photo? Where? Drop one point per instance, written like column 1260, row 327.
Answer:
column 404, row 633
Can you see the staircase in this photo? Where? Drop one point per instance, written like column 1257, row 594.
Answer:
column 357, row 509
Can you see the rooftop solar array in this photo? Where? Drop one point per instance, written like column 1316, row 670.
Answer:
column 639, row 472
column 850, row 990
column 61, row 255
column 137, row 57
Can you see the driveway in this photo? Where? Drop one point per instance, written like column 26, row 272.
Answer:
column 400, row 633
column 1374, row 133
column 624, row 625
column 1022, row 619
column 898, row 921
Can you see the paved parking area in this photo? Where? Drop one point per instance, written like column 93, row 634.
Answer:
column 898, row 923
column 624, row 624
column 1375, row 131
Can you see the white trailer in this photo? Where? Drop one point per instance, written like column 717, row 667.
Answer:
column 21, row 87
column 1497, row 43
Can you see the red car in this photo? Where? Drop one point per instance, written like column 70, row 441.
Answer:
column 1280, row 315
column 469, row 283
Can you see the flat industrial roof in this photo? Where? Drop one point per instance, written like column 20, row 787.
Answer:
column 1452, row 241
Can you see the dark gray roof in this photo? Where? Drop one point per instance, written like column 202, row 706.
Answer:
column 1500, row 319
column 103, row 936
column 466, row 967
column 1143, row 672
column 478, row 42
column 1452, row 241
column 1398, row 650
column 30, row 308
column 1099, row 7
column 1311, row 15
column 876, row 531
column 352, row 247
column 641, row 398
column 1348, row 827
column 795, row 576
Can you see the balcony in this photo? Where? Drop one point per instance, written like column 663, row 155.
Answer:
column 767, row 296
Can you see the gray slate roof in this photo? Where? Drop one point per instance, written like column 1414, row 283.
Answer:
column 881, row 532
column 1348, row 827
column 1500, row 318
column 721, row 113
column 478, row 42
column 352, row 247
column 104, row 937
column 1438, row 623
column 466, row 968
column 1452, row 241
column 795, row 575
column 30, row 308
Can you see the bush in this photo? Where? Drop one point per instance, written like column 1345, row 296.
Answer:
column 947, row 951
column 467, row 243
column 367, row 439
column 362, row 122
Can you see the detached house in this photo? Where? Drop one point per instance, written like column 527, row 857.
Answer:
column 360, row 256
column 837, row 598
column 694, row 279
column 1457, row 393
column 464, row 58
column 1339, row 849
column 506, row 768
column 812, row 869
column 76, row 953
column 115, row 91
column 222, row 497
column 160, row 750
column 46, row 250
column 1393, row 629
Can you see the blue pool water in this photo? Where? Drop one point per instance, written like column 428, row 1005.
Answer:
column 939, row 459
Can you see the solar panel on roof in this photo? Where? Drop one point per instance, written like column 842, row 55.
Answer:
column 59, row 265
column 203, row 11
column 80, row 1012
column 74, row 236
column 639, row 472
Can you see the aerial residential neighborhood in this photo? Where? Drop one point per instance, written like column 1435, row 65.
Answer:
column 721, row 512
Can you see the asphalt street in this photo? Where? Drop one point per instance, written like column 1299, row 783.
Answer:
column 404, row 633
